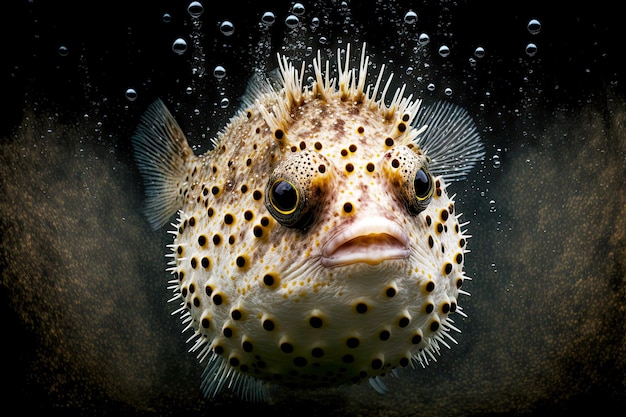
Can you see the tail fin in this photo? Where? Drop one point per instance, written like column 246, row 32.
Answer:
column 161, row 154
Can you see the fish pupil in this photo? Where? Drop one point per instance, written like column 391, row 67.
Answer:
column 284, row 197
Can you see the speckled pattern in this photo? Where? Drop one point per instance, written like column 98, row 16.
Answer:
column 315, row 244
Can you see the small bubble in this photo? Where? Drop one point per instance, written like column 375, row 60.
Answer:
column 315, row 22
column 63, row 51
column 224, row 102
column 410, row 17
column 292, row 21
column 189, row 90
column 167, row 17
column 431, row 87
column 195, row 9
column 219, row 72
column 534, row 26
column 531, row 49
column 495, row 161
column 227, row 28
column 131, row 94
column 298, row 9
column 268, row 18
column 423, row 39
column 479, row 52
column 409, row 70
column 179, row 46
column 444, row 51
column 447, row 91
column 323, row 40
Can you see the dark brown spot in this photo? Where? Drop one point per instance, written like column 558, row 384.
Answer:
column 316, row 322
column 352, row 342
column 352, row 148
column 360, row 129
column 228, row 218
column 257, row 195
column 217, row 299
column 318, row 146
column 395, row 163
column 279, row 134
column 447, row 268
column 258, row 231
column 347, row 207
column 402, row 127
column 268, row 325
column 205, row 262
column 349, row 167
column 389, row 142
column 268, row 280
column 370, row 167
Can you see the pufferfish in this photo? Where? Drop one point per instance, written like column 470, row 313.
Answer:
column 315, row 243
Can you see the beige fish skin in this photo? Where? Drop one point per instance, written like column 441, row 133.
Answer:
column 315, row 244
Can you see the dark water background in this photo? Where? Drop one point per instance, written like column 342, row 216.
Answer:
column 87, row 330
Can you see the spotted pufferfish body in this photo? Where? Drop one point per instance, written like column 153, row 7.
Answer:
column 315, row 244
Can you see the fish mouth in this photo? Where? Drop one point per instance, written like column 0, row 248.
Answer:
column 370, row 241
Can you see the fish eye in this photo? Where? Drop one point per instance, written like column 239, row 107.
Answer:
column 423, row 185
column 287, row 203
column 284, row 197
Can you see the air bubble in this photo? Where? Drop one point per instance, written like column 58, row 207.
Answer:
column 298, row 9
column 444, row 51
column 179, row 46
column 534, row 26
column 495, row 161
column 63, row 50
column 219, row 72
column 292, row 21
column 447, row 91
column 410, row 18
column 224, row 102
column 531, row 49
column 431, row 87
column 423, row 39
column 167, row 17
column 268, row 18
column 315, row 22
column 479, row 52
column 409, row 70
column 131, row 94
column 195, row 9
column 227, row 28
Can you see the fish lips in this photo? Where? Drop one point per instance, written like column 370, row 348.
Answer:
column 371, row 241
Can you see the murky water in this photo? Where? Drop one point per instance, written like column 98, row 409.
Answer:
column 84, row 294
